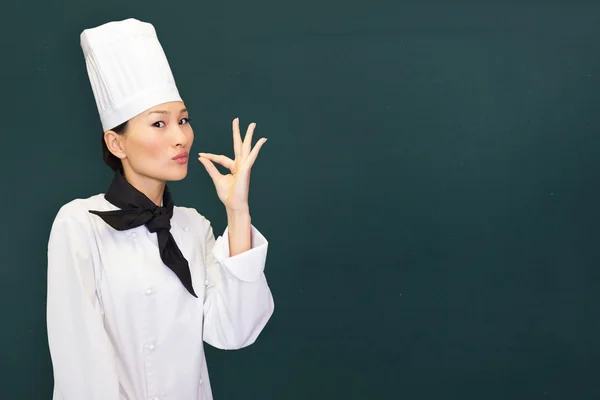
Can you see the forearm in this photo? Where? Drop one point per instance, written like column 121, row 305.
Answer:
column 240, row 231
column 238, row 301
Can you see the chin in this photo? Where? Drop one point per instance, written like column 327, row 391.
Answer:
column 176, row 174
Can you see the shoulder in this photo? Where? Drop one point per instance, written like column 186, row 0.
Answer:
column 72, row 221
column 78, row 209
column 189, row 216
column 75, row 215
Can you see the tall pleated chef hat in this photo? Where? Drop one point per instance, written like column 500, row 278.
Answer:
column 128, row 70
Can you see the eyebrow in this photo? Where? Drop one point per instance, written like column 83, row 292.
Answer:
column 167, row 112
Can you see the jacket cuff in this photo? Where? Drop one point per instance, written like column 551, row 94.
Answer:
column 247, row 266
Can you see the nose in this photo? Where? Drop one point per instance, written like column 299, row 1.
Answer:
column 179, row 137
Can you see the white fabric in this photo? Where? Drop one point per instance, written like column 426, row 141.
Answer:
column 121, row 326
column 128, row 70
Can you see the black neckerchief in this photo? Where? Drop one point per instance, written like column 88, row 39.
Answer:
column 137, row 209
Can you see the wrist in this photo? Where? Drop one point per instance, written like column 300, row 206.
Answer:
column 240, row 231
column 239, row 215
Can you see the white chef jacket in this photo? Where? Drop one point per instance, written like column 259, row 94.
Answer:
column 121, row 326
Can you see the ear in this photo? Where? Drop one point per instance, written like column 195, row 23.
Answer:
column 114, row 143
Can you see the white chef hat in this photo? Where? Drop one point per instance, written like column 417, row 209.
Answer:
column 128, row 70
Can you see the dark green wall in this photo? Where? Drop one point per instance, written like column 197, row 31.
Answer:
column 430, row 187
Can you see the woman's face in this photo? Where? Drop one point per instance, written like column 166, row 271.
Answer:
column 156, row 144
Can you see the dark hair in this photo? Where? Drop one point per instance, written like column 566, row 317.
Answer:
column 109, row 158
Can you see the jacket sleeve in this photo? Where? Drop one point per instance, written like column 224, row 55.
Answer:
column 82, row 356
column 238, row 301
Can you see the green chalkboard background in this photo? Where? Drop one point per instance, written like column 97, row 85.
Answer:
column 430, row 187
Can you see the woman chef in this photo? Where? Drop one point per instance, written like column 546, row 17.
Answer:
column 136, row 284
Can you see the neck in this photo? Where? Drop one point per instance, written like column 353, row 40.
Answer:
column 153, row 189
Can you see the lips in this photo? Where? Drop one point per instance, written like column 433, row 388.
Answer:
column 181, row 156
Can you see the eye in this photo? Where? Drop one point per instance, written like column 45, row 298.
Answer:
column 186, row 121
column 157, row 124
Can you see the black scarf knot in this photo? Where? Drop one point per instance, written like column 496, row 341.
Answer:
column 161, row 220
column 135, row 209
